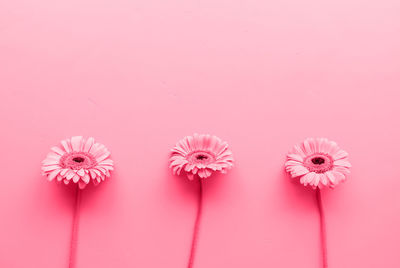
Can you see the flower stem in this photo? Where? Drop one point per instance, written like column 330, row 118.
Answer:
column 196, row 225
column 322, row 230
column 74, row 232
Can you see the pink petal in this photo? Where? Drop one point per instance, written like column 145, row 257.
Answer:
column 339, row 176
column 299, row 170
column 70, row 174
column 331, row 177
column 107, row 167
column 53, row 156
column 86, row 178
column 316, row 180
column 108, row 162
column 208, row 172
column 57, row 150
column 103, row 156
column 341, row 169
column 202, row 173
column 299, row 151
column 64, row 171
column 82, row 185
column 307, row 147
column 324, row 179
column 49, row 162
column 53, row 174
column 97, row 172
column 81, row 172
column 295, row 157
column 195, row 170
column 65, row 144
column 76, row 178
column 99, row 150
column 50, row 168
column 309, row 178
column 92, row 174
column 189, row 167
column 340, row 154
column 177, row 170
column 303, row 179
column 334, row 148
column 293, row 163
column 189, row 142
column 343, row 163
column 102, row 170
column 88, row 145
column 76, row 143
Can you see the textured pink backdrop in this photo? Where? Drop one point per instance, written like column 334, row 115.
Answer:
column 139, row 75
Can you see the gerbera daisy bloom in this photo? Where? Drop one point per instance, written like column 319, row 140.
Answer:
column 78, row 160
column 202, row 155
column 318, row 162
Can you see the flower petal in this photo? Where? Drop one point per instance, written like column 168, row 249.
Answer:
column 86, row 178
column 58, row 150
column 76, row 178
column 89, row 143
column 343, row 163
column 76, row 143
column 65, row 144
column 70, row 175
column 82, row 185
column 53, row 174
column 340, row 154
column 331, row 178
column 307, row 147
column 50, row 168
column 295, row 157
column 298, row 171
column 324, row 179
column 81, row 172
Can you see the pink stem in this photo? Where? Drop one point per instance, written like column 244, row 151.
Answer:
column 74, row 233
column 322, row 230
column 196, row 225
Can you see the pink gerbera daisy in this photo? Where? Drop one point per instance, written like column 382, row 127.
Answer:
column 318, row 162
column 202, row 155
column 78, row 160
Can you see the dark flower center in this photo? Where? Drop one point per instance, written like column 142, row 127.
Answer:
column 201, row 157
column 318, row 160
column 78, row 159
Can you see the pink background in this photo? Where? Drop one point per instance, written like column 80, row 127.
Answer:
column 139, row 75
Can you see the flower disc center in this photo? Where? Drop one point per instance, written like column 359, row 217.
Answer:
column 201, row 157
column 318, row 160
column 77, row 160
column 318, row 163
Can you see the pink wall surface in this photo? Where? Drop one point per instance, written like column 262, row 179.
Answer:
column 140, row 75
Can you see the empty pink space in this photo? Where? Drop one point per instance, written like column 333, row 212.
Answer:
column 140, row 75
